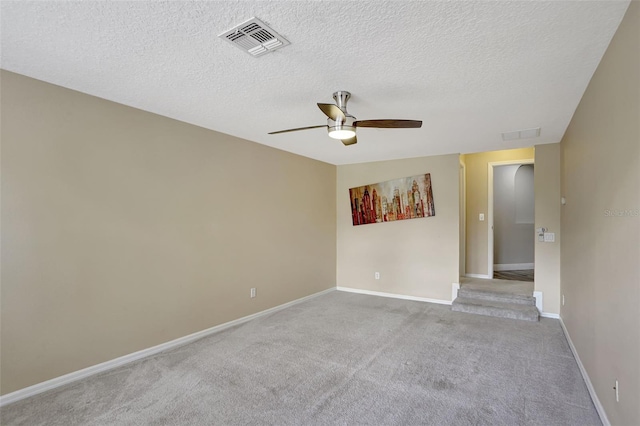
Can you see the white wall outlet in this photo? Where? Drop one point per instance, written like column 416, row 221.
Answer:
column 253, row 293
column 549, row 237
column 481, row 217
column 617, row 389
column 377, row 275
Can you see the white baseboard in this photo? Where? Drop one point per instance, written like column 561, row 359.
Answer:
column 394, row 296
column 585, row 376
column 512, row 266
column 117, row 362
column 540, row 305
column 454, row 291
column 484, row 276
column 539, row 300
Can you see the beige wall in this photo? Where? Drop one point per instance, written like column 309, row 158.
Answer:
column 123, row 229
column 417, row 257
column 477, row 259
column 547, row 204
column 601, row 225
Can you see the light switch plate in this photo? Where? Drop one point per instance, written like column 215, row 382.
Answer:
column 481, row 217
column 549, row 237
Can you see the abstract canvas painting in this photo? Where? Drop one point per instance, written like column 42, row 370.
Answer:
column 398, row 199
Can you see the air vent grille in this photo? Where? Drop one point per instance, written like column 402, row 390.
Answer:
column 254, row 37
column 251, row 27
column 521, row 134
column 262, row 36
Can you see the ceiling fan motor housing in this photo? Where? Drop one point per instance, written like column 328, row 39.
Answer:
column 342, row 129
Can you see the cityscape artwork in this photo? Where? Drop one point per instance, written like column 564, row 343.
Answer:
column 398, row 199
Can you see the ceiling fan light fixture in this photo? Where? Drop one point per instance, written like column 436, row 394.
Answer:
column 342, row 126
column 342, row 132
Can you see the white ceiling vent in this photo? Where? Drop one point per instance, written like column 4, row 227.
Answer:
column 521, row 134
column 254, row 37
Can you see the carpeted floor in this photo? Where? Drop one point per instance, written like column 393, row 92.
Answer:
column 497, row 298
column 524, row 288
column 341, row 358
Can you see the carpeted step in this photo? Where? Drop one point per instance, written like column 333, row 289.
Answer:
column 495, row 296
column 496, row 309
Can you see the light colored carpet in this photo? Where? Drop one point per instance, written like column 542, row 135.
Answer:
column 498, row 298
column 507, row 286
column 341, row 358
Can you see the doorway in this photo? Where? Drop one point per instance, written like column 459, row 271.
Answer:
column 511, row 220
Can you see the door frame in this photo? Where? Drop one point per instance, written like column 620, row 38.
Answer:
column 462, row 263
column 490, row 167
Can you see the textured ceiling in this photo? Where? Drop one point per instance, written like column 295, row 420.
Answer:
column 469, row 70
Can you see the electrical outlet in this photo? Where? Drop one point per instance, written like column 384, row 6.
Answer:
column 377, row 275
column 481, row 217
column 253, row 293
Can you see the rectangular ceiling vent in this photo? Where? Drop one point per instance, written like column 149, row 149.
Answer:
column 254, row 37
column 521, row 134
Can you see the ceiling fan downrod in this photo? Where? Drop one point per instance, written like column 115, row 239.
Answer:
column 341, row 97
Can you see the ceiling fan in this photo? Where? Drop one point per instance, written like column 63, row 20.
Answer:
column 342, row 125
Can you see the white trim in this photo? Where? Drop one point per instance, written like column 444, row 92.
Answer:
column 512, row 266
column 462, row 262
column 454, row 291
column 540, row 306
column 539, row 300
column 485, row 277
column 585, row 376
column 117, row 362
column 489, row 218
column 394, row 296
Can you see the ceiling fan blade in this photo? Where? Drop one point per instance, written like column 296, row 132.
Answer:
column 350, row 141
column 295, row 130
column 389, row 124
column 332, row 111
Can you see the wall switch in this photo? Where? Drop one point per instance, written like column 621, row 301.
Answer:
column 253, row 293
column 377, row 275
column 549, row 237
column 481, row 217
